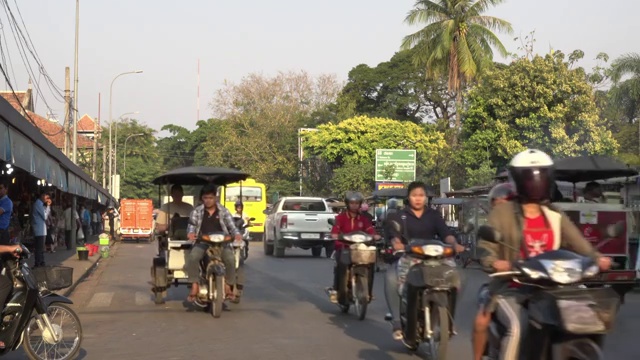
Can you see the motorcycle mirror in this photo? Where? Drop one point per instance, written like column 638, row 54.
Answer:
column 252, row 219
column 486, row 232
column 467, row 228
column 266, row 211
column 396, row 226
column 615, row 230
column 332, row 221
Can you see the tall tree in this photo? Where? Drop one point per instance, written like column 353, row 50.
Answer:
column 457, row 40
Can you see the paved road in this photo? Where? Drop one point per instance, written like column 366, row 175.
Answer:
column 284, row 315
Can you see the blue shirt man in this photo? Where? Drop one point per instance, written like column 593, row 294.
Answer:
column 6, row 208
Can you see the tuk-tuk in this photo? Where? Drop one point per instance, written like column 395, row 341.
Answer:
column 173, row 247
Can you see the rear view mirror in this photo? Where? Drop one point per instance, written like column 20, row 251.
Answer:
column 486, row 232
column 615, row 230
column 266, row 212
column 331, row 221
column 252, row 219
column 396, row 226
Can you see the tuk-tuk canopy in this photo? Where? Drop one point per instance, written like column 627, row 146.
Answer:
column 201, row 175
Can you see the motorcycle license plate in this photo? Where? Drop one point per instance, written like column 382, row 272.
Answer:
column 310, row 236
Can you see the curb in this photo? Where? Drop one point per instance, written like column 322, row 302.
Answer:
column 85, row 275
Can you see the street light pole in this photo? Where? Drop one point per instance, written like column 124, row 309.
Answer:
column 124, row 165
column 75, row 88
column 301, row 153
column 111, row 121
column 115, row 141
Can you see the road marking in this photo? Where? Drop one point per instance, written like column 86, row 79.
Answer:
column 142, row 298
column 101, row 300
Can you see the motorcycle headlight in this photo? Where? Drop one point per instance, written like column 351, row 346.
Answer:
column 432, row 250
column 534, row 274
column 591, row 271
column 356, row 238
column 563, row 271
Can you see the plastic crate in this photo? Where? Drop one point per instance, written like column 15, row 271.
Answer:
column 54, row 277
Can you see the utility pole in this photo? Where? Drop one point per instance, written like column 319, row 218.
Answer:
column 75, row 90
column 96, row 124
column 67, row 110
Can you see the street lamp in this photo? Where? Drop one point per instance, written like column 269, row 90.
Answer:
column 115, row 141
column 111, row 120
column 301, row 152
column 124, row 165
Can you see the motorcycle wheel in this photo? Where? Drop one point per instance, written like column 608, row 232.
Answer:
column 361, row 296
column 581, row 349
column 440, row 326
column 74, row 343
column 217, row 287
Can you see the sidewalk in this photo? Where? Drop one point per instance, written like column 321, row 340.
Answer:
column 64, row 257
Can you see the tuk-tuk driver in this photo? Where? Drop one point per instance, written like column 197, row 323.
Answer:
column 208, row 218
column 177, row 206
column 592, row 193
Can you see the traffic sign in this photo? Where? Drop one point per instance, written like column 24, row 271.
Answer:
column 395, row 165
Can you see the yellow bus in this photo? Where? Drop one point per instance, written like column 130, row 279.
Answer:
column 254, row 198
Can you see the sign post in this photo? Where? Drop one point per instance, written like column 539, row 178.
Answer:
column 395, row 166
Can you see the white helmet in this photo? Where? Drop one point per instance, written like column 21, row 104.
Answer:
column 531, row 173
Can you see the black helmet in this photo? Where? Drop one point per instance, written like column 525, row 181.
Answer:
column 392, row 204
column 353, row 196
column 239, row 203
column 501, row 191
column 531, row 173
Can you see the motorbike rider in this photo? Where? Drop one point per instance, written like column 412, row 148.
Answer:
column 364, row 209
column 528, row 226
column 5, row 283
column 499, row 194
column 240, row 271
column 417, row 221
column 347, row 222
column 207, row 218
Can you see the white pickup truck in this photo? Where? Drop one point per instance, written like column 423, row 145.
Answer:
column 301, row 222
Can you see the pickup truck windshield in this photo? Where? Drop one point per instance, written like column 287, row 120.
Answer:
column 304, row 205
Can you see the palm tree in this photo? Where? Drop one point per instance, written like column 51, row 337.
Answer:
column 627, row 64
column 457, row 40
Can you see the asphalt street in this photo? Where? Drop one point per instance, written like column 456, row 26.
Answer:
column 284, row 314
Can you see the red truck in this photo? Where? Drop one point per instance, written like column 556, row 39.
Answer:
column 136, row 219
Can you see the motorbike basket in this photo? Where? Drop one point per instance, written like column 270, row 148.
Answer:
column 54, row 277
column 441, row 276
column 363, row 257
column 585, row 311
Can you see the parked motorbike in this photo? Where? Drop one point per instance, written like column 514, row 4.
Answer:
column 212, row 271
column 566, row 320
column 34, row 314
column 353, row 285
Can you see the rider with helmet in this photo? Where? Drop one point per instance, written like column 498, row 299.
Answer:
column 240, row 271
column 501, row 193
column 347, row 222
column 528, row 226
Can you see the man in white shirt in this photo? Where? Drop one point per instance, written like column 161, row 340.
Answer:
column 168, row 210
column 70, row 224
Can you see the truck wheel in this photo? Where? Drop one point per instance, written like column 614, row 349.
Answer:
column 268, row 248
column 278, row 252
column 316, row 251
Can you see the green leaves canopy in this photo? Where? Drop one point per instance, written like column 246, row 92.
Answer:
column 539, row 103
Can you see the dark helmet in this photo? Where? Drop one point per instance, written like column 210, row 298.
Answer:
column 239, row 203
column 392, row 204
column 353, row 196
column 501, row 191
column 532, row 174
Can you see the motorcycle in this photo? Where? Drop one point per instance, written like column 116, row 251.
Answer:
column 246, row 236
column 566, row 319
column 353, row 285
column 212, row 271
column 30, row 311
column 429, row 297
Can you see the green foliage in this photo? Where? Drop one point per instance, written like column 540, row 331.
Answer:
column 354, row 141
column 539, row 103
column 482, row 175
column 353, row 177
column 395, row 89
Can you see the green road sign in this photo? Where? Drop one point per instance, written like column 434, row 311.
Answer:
column 395, row 165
